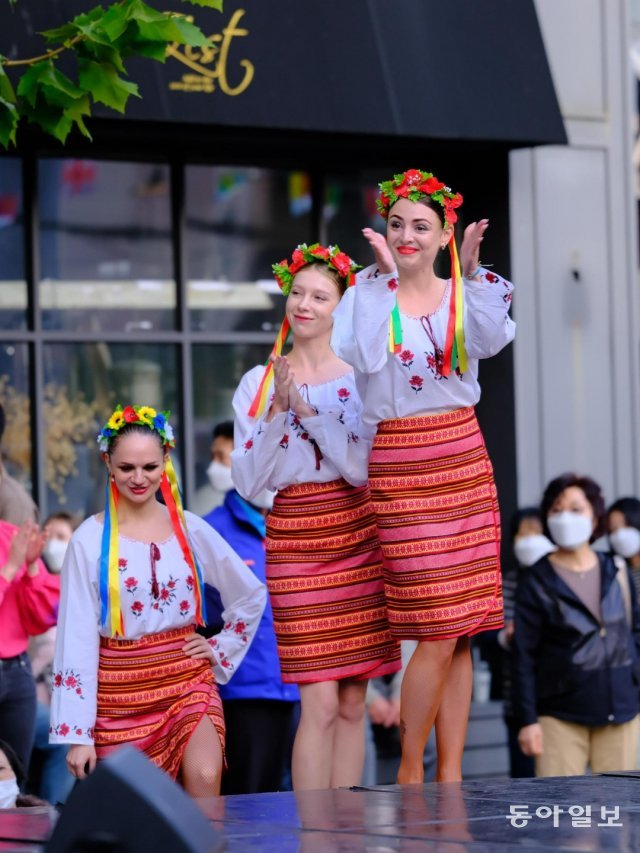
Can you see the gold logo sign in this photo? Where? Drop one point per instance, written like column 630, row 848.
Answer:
column 210, row 66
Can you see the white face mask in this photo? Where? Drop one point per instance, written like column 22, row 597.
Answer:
column 530, row 549
column 264, row 500
column 625, row 541
column 570, row 530
column 53, row 554
column 8, row 793
column 220, row 476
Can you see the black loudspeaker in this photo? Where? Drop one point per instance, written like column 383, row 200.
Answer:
column 128, row 805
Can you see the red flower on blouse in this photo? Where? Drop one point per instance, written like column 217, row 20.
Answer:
column 70, row 681
column 164, row 594
column 343, row 394
column 131, row 583
column 137, row 607
column 491, row 277
column 57, row 679
column 184, row 607
column 392, row 284
column 284, row 441
column 122, row 563
column 406, row 357
column 416, row 383
column 248, row 444
column 63, row 729
column 190, row 581
column 240, row 627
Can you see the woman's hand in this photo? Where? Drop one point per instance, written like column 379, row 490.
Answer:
column 530, row 739
column 381, row 250
column 26, row 546
column 81, row 759
column 470, row 249
column 198, row 647
column 298, row 404
column 282, row 381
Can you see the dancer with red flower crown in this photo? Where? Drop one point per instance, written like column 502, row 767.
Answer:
column 415, row 340
column 298, row 430
column 129, row 667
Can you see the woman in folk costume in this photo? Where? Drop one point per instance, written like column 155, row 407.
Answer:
column 298, row 430
column 129, row 667
column 415, row 341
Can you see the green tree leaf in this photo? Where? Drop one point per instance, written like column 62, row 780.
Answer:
column 9, row 119
column 209, row 4
column 6, row 89
column 44, row 79
column 104, row 84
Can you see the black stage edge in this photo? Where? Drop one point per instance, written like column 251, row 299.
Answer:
column 471, row 816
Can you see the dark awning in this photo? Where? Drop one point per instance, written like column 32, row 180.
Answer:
column 457, row 70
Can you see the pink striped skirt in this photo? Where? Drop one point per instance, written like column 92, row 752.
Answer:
column 326, row 586
column 435, row 501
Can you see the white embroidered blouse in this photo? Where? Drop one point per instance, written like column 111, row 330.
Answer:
column 410, row 382
column 290, row 450
column 75, row 672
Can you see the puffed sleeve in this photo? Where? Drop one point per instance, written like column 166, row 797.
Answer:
column 344, row 439
column 360, row 333
column 255, row 456
column 75, row 663
column 38, row 599
column 243, row 596
column 487, row 325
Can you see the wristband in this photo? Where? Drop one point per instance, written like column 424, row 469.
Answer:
column 476, row 272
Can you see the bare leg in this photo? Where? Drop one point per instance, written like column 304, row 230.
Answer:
column 453, row 714
column 202, row 761
column 422, row 688
column 313, row 746
column 348, row 744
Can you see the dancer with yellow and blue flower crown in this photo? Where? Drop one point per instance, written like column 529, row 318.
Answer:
column 129, row 667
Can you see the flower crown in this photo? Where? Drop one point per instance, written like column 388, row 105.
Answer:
column 142, row 415
column 415, row 185
column 304, row 255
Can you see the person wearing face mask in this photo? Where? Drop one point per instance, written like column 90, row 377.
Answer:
column 529, row 545
column 48, row 775
column 258, row 706
column 12, row 777
column 576, row 644
column 212, row 493
column 623, row 527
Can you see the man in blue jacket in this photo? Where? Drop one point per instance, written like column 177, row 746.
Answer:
column 258, row 707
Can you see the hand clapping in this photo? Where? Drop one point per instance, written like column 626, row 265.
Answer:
column 470, row 249
column 381, row 250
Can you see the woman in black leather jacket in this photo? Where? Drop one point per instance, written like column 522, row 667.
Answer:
column 576, row 648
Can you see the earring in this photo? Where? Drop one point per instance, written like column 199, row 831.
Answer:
column 113, row 479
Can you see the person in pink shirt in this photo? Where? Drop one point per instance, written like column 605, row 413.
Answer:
column 29, row 597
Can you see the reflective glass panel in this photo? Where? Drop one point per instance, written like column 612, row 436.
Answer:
column 16, row 402
column 217, row 371
column 83, row 384
column 13, row 288
column 239, row 221
column 106, row 254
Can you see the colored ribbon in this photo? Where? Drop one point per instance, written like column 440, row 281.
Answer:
column 173, row 501
column 259, row 403
column 110, row 609
column 455, row 353
column 395, row 330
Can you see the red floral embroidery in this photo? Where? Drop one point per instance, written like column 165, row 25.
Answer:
column 392, row 284
column 416, row 383
column 137, row 607
column 164, row 594
column 131, row 585
column 70, row 680
column 491, row 277
column 122, row 564
column 304, row 436
column 406, row 357
column 190, row 582
column 343, row 394
column 63, row 729
column 284, row 441
column 185, row 606
column 248, row 444
column 78, row 731
column 240, row 627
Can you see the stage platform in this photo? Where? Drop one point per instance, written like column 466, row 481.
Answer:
column 586, row 813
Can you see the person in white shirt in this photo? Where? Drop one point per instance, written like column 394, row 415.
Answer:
column 415, row 340
column 128, row 665
column 298, row 430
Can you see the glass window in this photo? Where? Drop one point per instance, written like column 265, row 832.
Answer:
column 16, row 401
column 83, row 384
column 217, row 371
column 106, row 253
column 239, row 221
column 13, row 288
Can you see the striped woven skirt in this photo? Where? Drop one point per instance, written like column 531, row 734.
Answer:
column 152, row 696
column 326, row 586
column 436, row 506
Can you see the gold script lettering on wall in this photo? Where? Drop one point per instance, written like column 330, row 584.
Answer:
column 212, row 64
